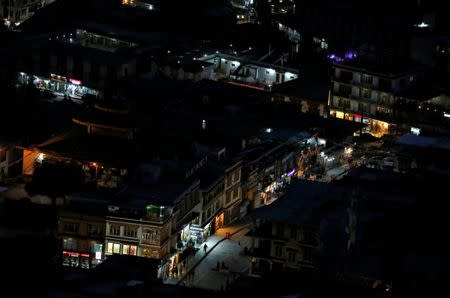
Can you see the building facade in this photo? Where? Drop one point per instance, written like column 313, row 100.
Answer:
column 16, row 11
column 82, row 234
column 278, row 246
column 368, row 96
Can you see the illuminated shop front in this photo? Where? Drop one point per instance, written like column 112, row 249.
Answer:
column 59, row 84
column 185, row 233
column 121, row 248
column 199, row 234
column 86, row 259
column 271, row 192
column 218, row 222
column 375, row 127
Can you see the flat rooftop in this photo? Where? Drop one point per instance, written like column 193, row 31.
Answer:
column 382, row 68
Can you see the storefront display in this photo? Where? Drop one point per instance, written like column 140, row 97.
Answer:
column 59, row 84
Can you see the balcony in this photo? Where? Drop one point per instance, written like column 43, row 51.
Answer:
column 363, row 84
column 363, row 99
column 341, row 93
column 344, row 79
column 257, row 252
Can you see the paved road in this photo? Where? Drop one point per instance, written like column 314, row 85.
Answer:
column 228, row 251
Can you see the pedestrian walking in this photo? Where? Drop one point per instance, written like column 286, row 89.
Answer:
column 205, row 247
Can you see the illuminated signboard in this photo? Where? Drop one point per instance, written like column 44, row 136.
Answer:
column 58, row 78
column 75, row 82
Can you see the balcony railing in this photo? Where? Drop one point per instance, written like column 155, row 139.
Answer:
column 341, row 79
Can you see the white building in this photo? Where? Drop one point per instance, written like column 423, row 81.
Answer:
column 249, row 72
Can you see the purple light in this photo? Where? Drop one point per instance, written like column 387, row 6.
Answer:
column 291, row 173
column 333, row 57
column 350, row 55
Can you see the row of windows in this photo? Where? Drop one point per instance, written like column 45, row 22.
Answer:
column 118, row 248
column 72, row 244
column 128, row 231
column 212, row 195
column 210, row 211
column 92, row 229
column 294, row 232
column 233, row 177
column 362, row 107
column 150, row 235
column 306, row 253
column 232, row 195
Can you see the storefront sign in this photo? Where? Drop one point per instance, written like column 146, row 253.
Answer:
column 73, row 254
column 75, row 82
column 58, row 78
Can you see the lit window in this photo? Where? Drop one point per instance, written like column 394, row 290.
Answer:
column 126, row 249
column 109, row 247
column 116, row 248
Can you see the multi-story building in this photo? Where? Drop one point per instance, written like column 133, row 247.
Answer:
column 154, row 214
column 16, row 11
column 9, row 159
column 253, row 72
column 369, row 93
column 81, row 228
column 77, row 62
column 212, row 197
column 311, row 97
column 284, row 234
column 106, row 129
column 136, row 231
column 269, row 166
column 233, row 192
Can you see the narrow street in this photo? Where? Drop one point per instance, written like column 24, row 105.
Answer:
column 206, row 274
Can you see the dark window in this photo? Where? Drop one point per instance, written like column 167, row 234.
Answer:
column 344, row 89
column 384, row 84
column 293, row 230
column 292, row 256
column 343, row 102
column 71, row 227
column 346, row 76
column 363, row 92
column 278, row 251
column 307, row 254
column 365, row 79
column 114, row 230
column 130, row 232
column 2, row 154
column 95, row 229
column 363, row 108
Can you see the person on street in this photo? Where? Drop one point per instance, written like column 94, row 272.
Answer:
column 205, row 247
